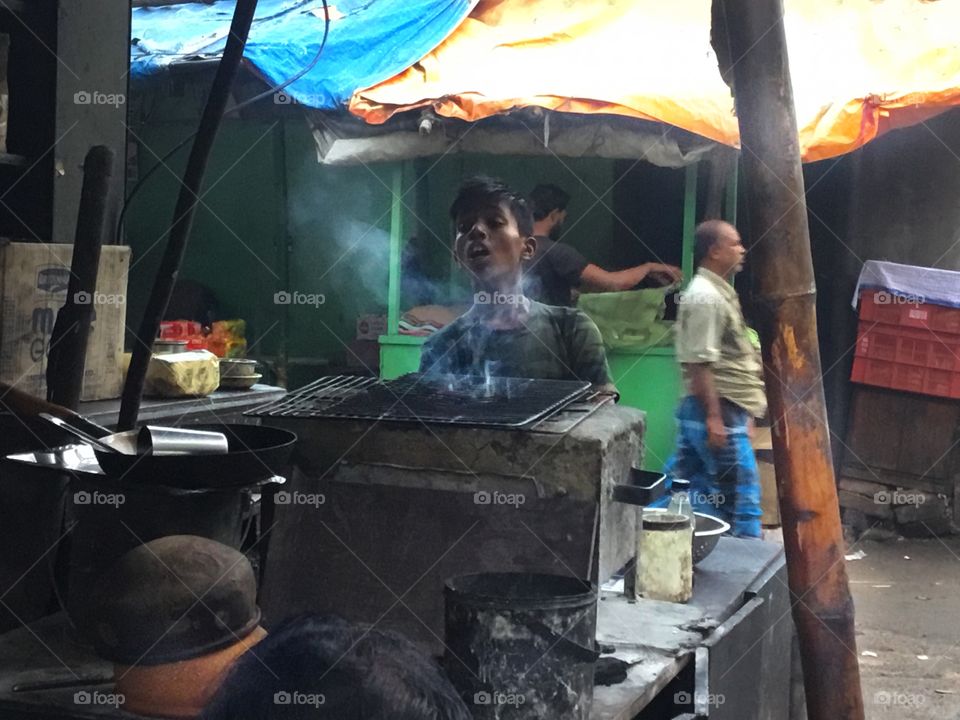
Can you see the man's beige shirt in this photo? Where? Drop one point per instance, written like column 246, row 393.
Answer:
column 711, row 329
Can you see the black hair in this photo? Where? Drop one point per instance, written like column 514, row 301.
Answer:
column 481, row 190
column 547, row 198
column 316, row 667
column 705, row 236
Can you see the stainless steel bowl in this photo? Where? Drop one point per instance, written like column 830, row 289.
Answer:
column 237, row 367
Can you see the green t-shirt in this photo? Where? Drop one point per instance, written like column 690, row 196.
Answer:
column 554, row 343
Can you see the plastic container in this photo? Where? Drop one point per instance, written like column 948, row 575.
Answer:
column 665, row 557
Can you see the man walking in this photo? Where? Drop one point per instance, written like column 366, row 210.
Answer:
column 723, row 373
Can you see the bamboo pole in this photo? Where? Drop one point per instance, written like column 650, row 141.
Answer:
column 778, row 237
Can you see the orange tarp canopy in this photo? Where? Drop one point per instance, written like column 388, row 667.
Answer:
column 859, row 67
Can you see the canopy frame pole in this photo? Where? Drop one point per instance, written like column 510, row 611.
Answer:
column 689, row 218
column 396, row 250
column 780, row 255
column 730, row 207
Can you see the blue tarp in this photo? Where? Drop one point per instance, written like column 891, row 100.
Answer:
column 369, row 41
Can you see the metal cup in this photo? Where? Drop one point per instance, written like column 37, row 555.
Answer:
column 155, row 440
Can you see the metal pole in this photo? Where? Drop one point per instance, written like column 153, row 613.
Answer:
column 396, row 250
column 689, row 219
column 184, row 211
column 782, row 267
column 66, row 360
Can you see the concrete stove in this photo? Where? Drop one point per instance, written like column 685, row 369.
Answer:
column 378, row 515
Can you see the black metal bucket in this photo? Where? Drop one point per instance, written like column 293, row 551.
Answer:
column 521, row 646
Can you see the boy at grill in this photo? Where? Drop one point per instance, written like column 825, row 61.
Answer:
column 505, row 333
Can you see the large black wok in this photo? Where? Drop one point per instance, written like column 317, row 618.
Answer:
column 255, row 452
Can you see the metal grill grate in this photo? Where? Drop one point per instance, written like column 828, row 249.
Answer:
column 446, row 399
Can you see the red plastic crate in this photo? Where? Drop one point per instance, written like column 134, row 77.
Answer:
column 909, row 378
column 895, row 309
column 945, row 319
column 870, row 371
column 877, row 341
column 928, row 348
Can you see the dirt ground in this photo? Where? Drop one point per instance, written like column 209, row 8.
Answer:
column 908, row 623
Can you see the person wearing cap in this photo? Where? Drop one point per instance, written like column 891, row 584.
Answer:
column 173, row 615
column 178, row 618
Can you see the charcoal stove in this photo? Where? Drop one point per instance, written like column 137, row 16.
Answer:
column 402, row 484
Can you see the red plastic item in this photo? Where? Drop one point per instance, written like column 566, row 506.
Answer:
column 908, row 346
column 895, row 309
column 179, row 329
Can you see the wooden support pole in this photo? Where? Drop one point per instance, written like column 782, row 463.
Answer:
column 778, row 239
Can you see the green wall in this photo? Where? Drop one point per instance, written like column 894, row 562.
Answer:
column 236, row 244
column 275, row 219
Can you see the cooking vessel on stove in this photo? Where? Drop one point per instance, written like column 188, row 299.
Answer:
column 254, row 452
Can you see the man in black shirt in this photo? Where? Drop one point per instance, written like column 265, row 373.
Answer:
column 557, row 269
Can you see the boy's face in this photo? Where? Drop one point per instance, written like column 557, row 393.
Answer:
column 489, row 244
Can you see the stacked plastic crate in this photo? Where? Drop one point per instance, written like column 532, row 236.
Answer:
column 907, row 344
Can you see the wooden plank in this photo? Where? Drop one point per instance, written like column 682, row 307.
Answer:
column 648, row 624
column 652, row 672
column 866, row 505
column 928, row 428
column 894, row 479
column 873, row 438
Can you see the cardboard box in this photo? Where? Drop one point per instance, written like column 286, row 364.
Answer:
column 33, row 287
column 371, row 327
